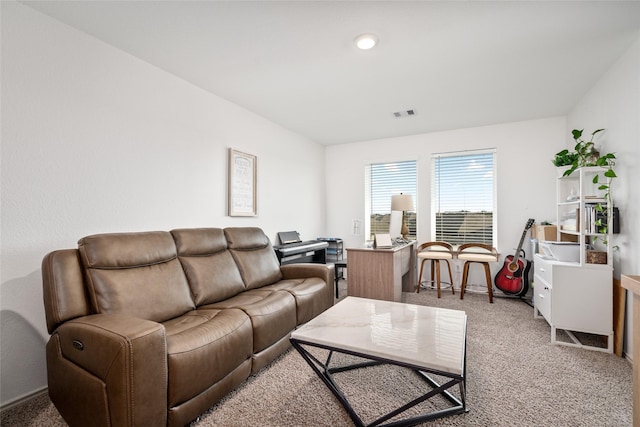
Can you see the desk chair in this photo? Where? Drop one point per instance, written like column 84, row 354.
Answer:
column 435, row 252
column 339, row 267
column 481, row 254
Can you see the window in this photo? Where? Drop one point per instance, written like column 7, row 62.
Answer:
column 463, row 197
column 382, row 181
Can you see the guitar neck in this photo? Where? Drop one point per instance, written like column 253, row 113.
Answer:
column 524, row 233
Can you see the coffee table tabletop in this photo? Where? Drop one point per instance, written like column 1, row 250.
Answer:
column 427, row 337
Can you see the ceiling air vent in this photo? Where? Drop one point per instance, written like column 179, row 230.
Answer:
column 405, row 113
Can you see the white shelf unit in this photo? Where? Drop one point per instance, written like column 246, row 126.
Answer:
column 577, row 198
column 577, row 296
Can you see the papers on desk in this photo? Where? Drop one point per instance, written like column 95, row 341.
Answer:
column 382, row 241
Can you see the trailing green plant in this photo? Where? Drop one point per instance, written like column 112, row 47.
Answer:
column 564, row 158
column 607, row 161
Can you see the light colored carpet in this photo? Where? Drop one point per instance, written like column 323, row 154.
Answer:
column 515, row 377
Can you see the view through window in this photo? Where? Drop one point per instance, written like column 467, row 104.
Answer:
column 384, row 180
column 463, row 197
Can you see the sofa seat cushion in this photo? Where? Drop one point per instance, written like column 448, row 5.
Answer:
column 272, row 313
column 203, row 346
column 308, row 294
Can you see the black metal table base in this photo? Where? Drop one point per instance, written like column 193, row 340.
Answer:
column 325, row 372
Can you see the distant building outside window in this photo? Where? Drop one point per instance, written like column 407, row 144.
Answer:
column 463, row 197
column 383, row 180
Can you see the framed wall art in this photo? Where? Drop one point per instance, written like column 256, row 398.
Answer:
column 243, row 170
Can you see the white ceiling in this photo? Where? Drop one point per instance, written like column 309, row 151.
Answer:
column 457, row 64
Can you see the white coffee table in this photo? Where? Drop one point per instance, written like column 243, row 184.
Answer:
column 428, row 340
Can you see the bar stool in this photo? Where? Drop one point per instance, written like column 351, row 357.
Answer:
column 481, row 254
column 435, row 252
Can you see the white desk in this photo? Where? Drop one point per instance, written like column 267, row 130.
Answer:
column 632, row 284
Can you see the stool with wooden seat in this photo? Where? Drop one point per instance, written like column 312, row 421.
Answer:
column 435, row 252
column 481, row 254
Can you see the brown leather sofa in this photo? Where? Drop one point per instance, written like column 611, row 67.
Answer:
column 153, row 328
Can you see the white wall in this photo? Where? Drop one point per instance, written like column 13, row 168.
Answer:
column 525, row 174
column 95, row 140
column 614, row 104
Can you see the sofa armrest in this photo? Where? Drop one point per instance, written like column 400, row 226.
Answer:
column 310, row 270
column 305, row 270
column 109, row 369
column 63, row 288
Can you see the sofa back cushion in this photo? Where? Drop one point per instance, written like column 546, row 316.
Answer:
column 254, row 255
column 136, row 274
column 211, row 271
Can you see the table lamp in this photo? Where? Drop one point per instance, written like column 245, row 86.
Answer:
column 402, row 202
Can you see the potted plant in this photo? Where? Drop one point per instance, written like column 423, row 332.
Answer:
column 585, row 153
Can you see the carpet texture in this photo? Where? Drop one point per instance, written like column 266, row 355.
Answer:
column 515, row 377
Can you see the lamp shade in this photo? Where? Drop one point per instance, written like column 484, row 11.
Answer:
column 401, row 202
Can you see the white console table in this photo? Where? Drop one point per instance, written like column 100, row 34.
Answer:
column 632, row 284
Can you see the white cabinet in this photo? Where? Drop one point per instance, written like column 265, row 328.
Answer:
column 578, row 296
column 575, row 299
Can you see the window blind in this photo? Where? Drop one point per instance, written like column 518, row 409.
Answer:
column 383, row 181
column 463, row 197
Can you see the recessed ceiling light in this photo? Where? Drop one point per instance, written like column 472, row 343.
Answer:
column 366, row 41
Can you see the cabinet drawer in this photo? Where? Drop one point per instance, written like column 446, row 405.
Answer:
column 405, row 259
column 542, row 297
column 543, row 269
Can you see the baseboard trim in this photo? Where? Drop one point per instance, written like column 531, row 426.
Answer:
column 24, row 398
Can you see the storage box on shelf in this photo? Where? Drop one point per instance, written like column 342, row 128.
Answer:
column 577, row 296
column 544, row 232
column 549, row 233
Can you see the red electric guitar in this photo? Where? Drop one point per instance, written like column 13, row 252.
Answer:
column 513, row 277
